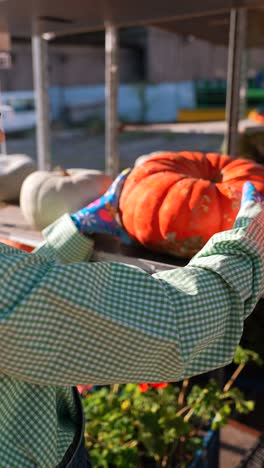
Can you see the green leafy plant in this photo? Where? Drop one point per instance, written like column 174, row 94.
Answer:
column 159, row 425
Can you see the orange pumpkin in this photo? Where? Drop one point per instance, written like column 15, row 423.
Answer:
column 174, row 202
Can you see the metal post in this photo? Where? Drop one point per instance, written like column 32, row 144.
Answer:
column 111, row 98
column 243, row 85
column 4, row 147
column 237, row 35
column 40, row 75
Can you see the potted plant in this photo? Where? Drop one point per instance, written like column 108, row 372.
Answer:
column 161, row 425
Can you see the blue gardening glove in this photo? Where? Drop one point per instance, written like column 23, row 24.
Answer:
column 251, row 194
column 101, row 216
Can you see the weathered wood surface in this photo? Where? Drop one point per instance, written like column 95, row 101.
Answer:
column 216, row 128
column 14, row 227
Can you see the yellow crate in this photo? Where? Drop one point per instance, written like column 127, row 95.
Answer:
column 200, row 115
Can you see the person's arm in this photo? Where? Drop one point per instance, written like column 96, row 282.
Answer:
column 82, row 323
column 64, row 243
column 219, row 288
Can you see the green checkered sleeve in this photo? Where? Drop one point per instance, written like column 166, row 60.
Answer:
column 65, row 243
column 89, row 323
column 218, row 290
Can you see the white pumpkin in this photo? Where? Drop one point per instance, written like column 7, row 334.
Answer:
column 45, row 196
column 14, row 168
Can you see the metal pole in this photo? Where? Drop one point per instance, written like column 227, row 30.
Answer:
column 4, row 147
column 111, row 98
column 40, row 75
column 3, row 143
column 243, row 85
column 237, row 35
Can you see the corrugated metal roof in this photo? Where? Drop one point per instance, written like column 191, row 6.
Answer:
column 215, row 28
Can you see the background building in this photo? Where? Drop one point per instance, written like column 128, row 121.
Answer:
column 160, row 73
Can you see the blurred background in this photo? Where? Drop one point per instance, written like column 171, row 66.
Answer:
column 163, row 78
column 169, row 75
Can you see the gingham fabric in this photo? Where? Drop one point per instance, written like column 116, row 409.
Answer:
column 63, row 324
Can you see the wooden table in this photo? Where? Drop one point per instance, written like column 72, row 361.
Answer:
column 14, row 227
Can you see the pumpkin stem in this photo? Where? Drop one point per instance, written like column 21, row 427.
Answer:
column 63, row 172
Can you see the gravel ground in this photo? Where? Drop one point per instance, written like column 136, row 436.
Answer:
column 79, row 149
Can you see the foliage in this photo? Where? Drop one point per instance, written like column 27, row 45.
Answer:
column 161, row 425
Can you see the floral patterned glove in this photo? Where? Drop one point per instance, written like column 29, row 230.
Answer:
column 251, row 194
column 101, row 216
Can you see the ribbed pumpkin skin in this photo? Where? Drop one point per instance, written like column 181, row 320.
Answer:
column 174, row 202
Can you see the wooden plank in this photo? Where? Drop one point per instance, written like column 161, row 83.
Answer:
column 14, row 227
column 235, row 440
column 218, row 127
